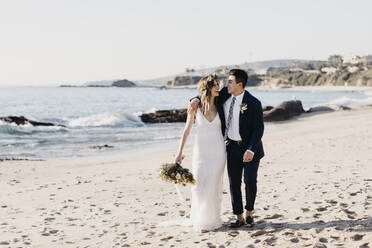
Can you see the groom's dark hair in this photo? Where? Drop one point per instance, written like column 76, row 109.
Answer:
column 240, row 76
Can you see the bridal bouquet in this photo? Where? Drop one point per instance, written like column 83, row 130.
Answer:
column 175, row 173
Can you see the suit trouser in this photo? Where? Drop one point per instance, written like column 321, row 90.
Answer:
column 235, row 168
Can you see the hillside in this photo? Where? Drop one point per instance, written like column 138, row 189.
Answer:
column 300, row 78
column 252, row 67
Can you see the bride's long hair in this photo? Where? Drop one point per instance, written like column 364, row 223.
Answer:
column 204, row 86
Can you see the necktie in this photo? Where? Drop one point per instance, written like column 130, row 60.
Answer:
column 230, row 117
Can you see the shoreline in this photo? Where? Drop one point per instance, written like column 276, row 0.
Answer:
column 169, row 145
column 166, row 145
column 264, row 88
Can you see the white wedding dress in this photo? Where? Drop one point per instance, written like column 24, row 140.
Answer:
column 208, row 165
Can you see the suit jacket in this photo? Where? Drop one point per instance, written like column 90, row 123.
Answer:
column 251, row 125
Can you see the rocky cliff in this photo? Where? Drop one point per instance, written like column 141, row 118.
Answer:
column 253, row 80
column 184, row 81
column 303, row 78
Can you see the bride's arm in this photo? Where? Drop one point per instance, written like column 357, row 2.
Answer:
column 186, row 132
column 193, row 105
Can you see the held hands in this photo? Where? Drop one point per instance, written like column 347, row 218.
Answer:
column 248, row 156
column 178, row 158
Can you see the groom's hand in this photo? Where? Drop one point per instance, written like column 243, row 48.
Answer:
column 193, row 105
column 248, row 156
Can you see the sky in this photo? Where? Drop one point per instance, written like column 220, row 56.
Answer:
column 52, row 42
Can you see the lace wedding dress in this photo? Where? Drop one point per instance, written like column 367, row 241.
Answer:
column 208, row 165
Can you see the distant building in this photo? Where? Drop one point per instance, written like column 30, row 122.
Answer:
column 296, row 69
column 366, row 60
column 277, row 70
column 311, row 71
column 352, row 69
column 369, row 59
column 354, row 60
column 335, row 61
column 329, row 70
column 222, row 70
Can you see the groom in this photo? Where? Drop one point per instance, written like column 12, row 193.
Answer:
column 242, row 127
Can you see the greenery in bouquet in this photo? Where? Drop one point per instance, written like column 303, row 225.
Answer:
column 175, row 173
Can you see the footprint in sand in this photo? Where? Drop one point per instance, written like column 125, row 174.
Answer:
column 323, row 240
column 345, row 205
column 163, row 213
column 320, row 245
column 233, row 233
column 294, row 240
column 150, row 234
column 333, row 202
column 357, row 237
column 275, row 216
column 271, row 240
column 317, row 215
column 166, row 238
column 321, row 209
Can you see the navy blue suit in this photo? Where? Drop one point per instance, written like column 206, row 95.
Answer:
column 251, row 125
column 251, row 128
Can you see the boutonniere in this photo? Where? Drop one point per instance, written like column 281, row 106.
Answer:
column 243, row 107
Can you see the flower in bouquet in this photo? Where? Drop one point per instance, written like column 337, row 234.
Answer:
column 175, row 173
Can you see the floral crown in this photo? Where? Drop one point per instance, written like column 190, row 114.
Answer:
column 209, row 79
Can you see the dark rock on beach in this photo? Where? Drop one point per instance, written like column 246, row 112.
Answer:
column 284, row 111
column 325, row 108
column 165, row 116
column 21, row 120
column 321, row 109
column 100, row 147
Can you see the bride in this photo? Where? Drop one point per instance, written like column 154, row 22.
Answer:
column 209, row 157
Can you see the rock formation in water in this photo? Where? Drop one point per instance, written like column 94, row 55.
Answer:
column 284, row 111
column 165, row 116
column 21, row 120
column 123, row 83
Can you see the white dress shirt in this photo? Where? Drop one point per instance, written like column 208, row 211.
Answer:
column 233, row 132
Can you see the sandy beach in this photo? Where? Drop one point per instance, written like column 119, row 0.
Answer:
column 314, row 190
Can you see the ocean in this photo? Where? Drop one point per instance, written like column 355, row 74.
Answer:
column 99, row 116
